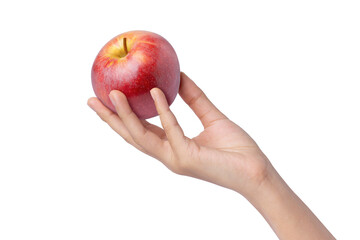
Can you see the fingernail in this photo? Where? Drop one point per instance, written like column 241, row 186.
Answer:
column 153, row 94
column 112, row 99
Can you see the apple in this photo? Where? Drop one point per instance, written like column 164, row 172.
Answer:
column 133, row 63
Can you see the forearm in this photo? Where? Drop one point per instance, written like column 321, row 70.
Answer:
column 287, row 215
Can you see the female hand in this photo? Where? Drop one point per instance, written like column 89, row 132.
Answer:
column 222, row 153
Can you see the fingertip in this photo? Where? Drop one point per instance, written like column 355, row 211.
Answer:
column 96, row 105
column 116, row 92
column 91, row 102
column 115, row 96
column 154, row 94
column 182, row 75
column 158, row 95
column 185, row 84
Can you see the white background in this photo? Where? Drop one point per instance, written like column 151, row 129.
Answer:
column 286, row 71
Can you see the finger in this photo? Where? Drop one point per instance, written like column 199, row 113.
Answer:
column 112, row 119
column 171, row 127
column 142, row 136
column 198, row 102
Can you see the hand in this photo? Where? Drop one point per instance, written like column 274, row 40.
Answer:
column 223, row 153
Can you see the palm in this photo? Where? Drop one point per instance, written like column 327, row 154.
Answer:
column 226, row 136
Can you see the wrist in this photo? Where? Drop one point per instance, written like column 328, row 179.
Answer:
column 269, row 186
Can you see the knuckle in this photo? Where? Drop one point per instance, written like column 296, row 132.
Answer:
column 165, row 113
column 107, row 117
column 102, row 118
column 139, row 137
column 196, row 98
column 127, row 139
column 170, row 124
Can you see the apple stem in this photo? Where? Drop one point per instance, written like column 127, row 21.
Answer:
column 124, row 46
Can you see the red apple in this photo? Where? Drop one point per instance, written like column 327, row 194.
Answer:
column 134, row 63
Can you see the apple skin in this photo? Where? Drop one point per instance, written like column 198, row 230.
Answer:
column 133, row 63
